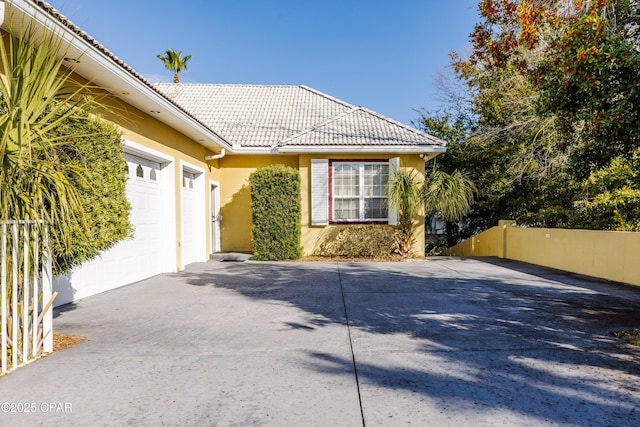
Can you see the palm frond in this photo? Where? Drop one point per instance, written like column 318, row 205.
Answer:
column 451, row 195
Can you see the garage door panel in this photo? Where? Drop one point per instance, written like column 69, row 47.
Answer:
column 190, row 216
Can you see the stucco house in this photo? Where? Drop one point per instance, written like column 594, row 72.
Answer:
column 189, row 150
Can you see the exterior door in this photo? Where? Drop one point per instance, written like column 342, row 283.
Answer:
column 215, row 218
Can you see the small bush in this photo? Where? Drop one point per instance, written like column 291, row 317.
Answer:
column 359, row 241
column 276, row 213
column 632, row 336
column 436, row 247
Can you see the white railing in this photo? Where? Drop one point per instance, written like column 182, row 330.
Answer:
column 26, row 293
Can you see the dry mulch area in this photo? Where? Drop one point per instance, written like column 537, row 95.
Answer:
column 62, row 341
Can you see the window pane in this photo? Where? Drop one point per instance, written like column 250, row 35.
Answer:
column 375, row 208
column 346, row 209
column 346, row 181
column 376, row 177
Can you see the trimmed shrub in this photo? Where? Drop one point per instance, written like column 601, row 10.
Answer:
column 359, row 241
column 276, row 213
column 101, row 186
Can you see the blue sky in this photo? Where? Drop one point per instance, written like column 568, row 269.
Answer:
column 380, row 54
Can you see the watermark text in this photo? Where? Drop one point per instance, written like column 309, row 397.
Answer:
column 36, row 407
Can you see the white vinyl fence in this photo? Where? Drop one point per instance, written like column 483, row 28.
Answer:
column 26, row 293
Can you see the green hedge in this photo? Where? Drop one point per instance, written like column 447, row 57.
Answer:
column 276, row 213
column 101, row 186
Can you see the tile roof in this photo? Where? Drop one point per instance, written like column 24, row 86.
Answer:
column 291, row 117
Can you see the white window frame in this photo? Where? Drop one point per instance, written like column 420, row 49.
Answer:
column 362, row 194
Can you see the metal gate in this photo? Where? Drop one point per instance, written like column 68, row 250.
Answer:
column 26, row 293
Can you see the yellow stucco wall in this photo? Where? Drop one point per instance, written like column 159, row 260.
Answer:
column 235, row 197
column 611, row 255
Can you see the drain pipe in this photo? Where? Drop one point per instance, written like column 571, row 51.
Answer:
column 217, row 156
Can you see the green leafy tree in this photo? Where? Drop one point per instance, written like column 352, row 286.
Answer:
column 582, row 57
column 175, row 62
column 519, row 117
column 494, row 134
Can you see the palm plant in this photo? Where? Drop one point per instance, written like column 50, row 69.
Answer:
column 405, row 198
column 174, row 61
column 450, row 195
column 37, row 96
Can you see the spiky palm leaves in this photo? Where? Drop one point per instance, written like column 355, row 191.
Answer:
column 450, row 195
column 175, row 62
column 37, row 96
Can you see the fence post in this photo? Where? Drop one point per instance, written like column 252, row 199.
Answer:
column 47, row 291
column 36, row 293
column 3, row 296
column 504, row 224
column 25, row 292
column 14, row 294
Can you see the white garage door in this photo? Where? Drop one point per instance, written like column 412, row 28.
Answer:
column 134, row 258
column 141, row 256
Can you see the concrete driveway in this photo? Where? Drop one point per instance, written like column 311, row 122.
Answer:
column 446, row 341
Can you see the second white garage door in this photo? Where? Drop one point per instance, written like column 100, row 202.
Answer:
column 193, row 217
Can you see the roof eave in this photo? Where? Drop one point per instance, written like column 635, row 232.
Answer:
column 104, row 70
column 364, row 149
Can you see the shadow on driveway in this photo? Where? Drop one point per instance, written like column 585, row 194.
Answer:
column 460, row 340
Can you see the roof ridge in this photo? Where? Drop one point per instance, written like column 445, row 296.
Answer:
column 319, row 125
column 354, row 109
column 324, row 95
column 374, row 113
column 228, row 85
column 402, row 125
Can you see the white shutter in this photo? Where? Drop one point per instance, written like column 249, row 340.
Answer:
column 394, row 166
column 319, row 192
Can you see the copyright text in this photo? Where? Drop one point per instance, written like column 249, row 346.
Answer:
column 33, row 407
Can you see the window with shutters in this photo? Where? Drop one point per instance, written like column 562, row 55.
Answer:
column 348, row 191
